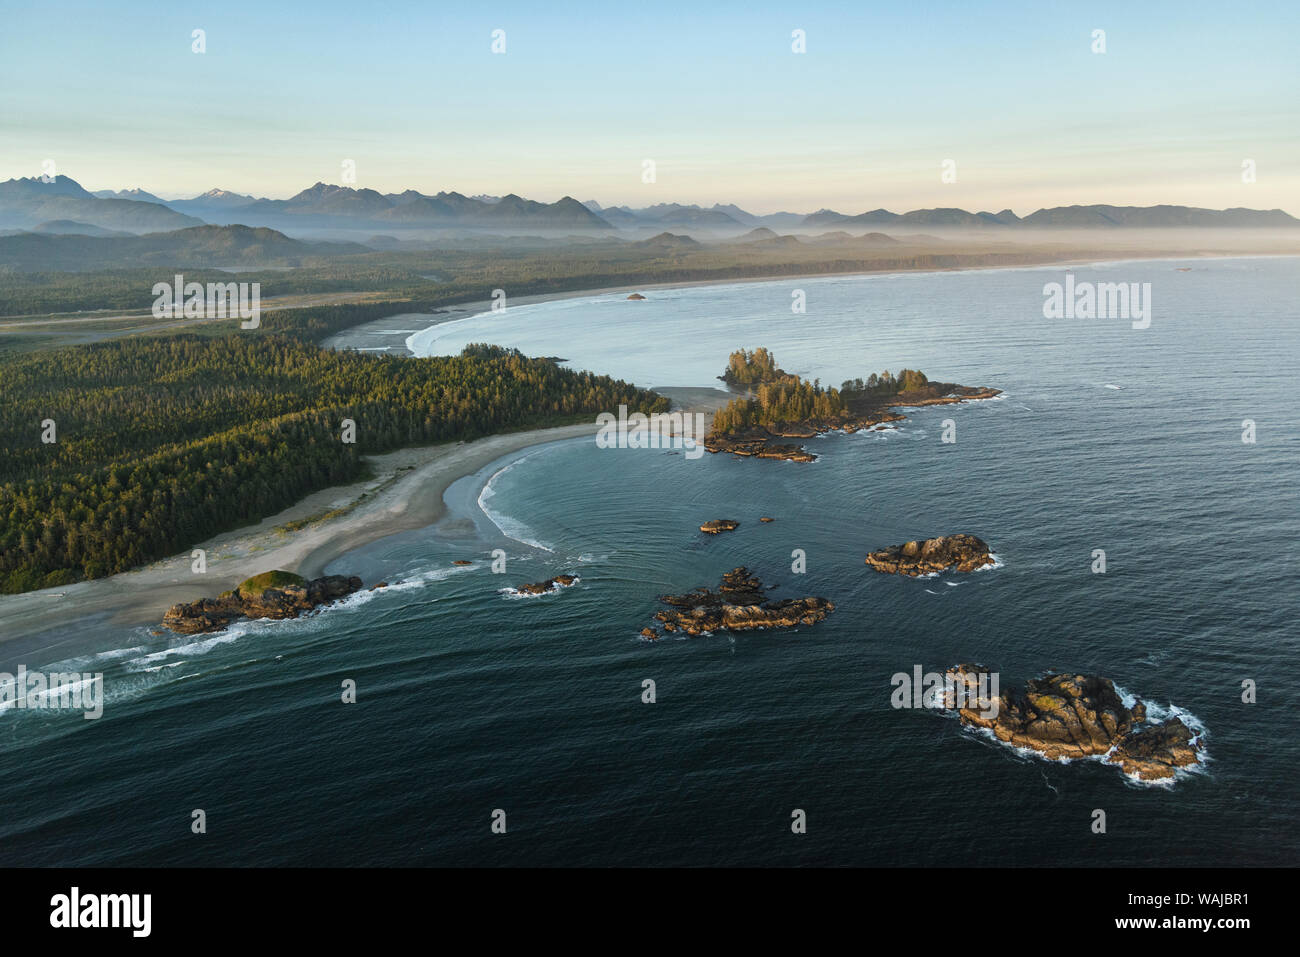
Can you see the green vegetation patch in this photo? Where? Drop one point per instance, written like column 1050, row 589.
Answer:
column 277, row 579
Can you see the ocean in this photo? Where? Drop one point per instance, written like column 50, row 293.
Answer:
column 474, row 704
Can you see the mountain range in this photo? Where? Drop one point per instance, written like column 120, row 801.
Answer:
column 62, row 205
column 325, row 206
column 27, row 203
column 1066, row 217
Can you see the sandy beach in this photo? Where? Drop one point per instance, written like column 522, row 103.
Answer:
column 405, row 493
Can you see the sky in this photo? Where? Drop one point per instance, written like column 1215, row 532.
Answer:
column 713, row 94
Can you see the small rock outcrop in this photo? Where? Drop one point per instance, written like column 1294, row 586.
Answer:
column 550, row 585
column 636, row 296
column 963, row 553
column 756, row 443
column 739, row 604
column 289, row 597
column 1068, row 716
column 719, row 525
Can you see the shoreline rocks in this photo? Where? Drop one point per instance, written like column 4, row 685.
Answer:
column 1071, row 716
column 249, row 601
column 739, row 604
column 961, row 552
column 756, row 443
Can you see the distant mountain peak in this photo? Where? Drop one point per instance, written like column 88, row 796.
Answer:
column 668, row 239
column 60, row 185
column 136, row 194
column 757, row 235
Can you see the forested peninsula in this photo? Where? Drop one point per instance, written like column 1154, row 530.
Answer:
column 126, row 451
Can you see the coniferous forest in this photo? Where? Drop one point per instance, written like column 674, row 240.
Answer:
column 126, row 451
column 775, row 397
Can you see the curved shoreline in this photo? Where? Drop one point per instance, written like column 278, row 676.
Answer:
column 407, row 494
column 370, row 336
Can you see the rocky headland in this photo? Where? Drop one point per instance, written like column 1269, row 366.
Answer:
column 274, row 595
column 1070, row 716
column 739, row 604
column 960, row 552
column 766, row 441
column 775, row 406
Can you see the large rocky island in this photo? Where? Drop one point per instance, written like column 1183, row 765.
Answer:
column 739, row 604
column 776, row 406
column 276, row 594
column 961, row 552
column 1068, row 716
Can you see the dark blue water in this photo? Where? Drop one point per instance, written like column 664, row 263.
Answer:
column 470, row 700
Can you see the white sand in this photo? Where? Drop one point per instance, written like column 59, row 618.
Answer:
column 405, row 494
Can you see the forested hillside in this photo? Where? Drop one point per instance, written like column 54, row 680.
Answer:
column 161, row 442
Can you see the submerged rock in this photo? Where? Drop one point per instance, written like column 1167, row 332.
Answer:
column 964, row 553
column 287, row 600
column 1068, row 716
column 739, row 604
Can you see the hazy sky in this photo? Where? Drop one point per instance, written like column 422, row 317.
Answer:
column 711, row 92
